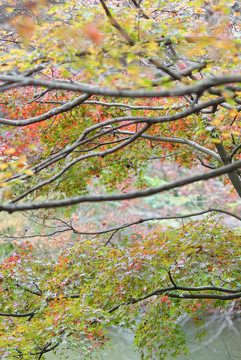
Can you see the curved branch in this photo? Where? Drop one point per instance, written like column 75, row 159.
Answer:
column 80, row 142
column 120, row 105
column 124, row 226
column 167, row 291
column 47, row 349
column 91, row 154
column 209, row 166
column 233, row 176
column 177, row 140
column 235, row 150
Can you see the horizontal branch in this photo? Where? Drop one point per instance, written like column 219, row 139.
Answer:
column 115, row 104
column 124, row 226
column 24, row 236
column 197, row 88
column 229, row 294
column 30, row 314
column 168, row 291
column 123, row 196
column 205, row 296
column 156, row 218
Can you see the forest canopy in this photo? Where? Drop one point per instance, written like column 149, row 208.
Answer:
column 104, row 106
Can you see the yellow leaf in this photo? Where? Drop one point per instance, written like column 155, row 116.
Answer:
column 22, row 159
column 7, row 194
column 9, row 151
column 6, row 175
column 216, row 141
column 233, row 112
column 217, row 121
column 8, row 9
column 3, row 166
column 234, row 132
column 226, row 135
column 28, row 172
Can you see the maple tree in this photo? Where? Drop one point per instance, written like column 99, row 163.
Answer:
column 91, row 93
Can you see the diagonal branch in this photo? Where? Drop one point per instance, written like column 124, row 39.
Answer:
column 178, row 140
column 116, row 25
column 137, row 5
column 233, row 176
column 235, row 150
column 53, row 112
column 89, row 155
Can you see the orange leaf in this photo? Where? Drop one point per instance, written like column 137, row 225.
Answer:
column 93, row 33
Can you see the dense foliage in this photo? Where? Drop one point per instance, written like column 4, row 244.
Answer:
column 94, row 94
column 88, row 287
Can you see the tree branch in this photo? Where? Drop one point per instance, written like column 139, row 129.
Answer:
column 124, row 196
column 78, row 159
column 233, row 176
column 234, row 152
column 53, row 112
column 116, row 25
column 120, row 105
column 30, row 314
column 136, row 119
column 233, row 294
column 177, row 140
column 124, row 226
column 197, row 88
column 140, row 9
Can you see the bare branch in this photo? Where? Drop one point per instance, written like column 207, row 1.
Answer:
column 177, row 140
column 124, row 226
column 234, row 152
column 30, row 314
column 137, row 5
column 197, row 88
column 89, row 155
column 53, row 112
column 124, row 196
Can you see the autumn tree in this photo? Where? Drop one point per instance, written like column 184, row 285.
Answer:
column 91, row 93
